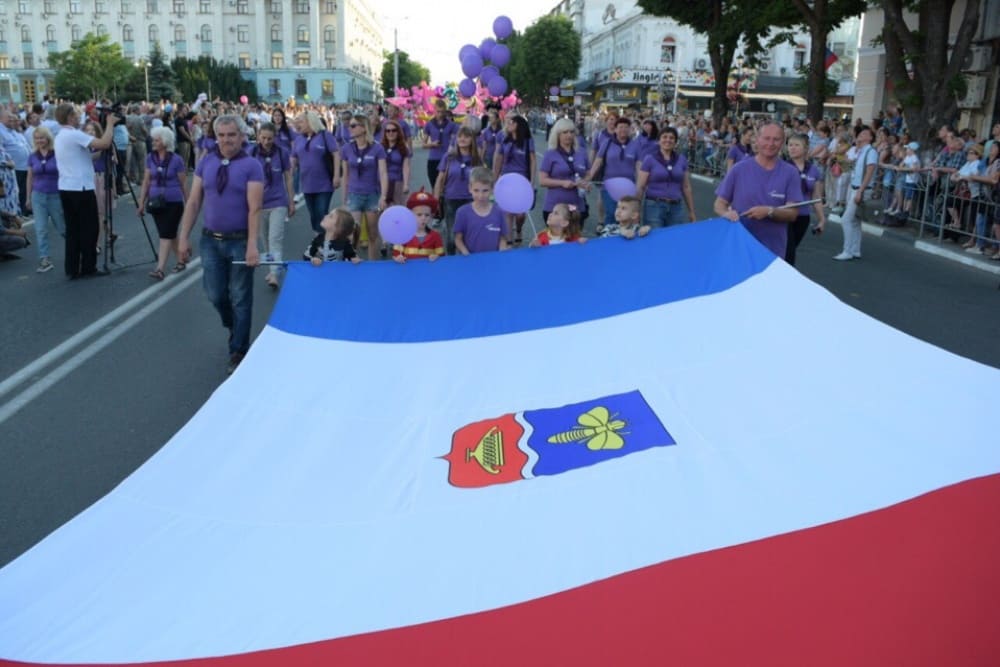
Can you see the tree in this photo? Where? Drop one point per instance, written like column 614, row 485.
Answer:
column 547, row 53
column 819, row 17
column 411, row 73
column 205, row 74
column 727, row 23
column 90, row 69
column 162, row 80
column 928, row 94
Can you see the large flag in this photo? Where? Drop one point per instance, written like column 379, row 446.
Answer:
column 830, row 58
column 672, row 450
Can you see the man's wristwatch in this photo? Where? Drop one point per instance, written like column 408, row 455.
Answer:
column 770, row 211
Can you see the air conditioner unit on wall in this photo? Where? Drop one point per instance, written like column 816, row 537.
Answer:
column 765, row 65
column 979, row 59
column 975, row 93
column 701, row 64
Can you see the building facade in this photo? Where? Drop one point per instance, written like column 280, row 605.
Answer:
column 322, row 50
column 632, row 58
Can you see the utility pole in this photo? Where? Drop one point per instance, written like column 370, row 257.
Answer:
column 395, row 60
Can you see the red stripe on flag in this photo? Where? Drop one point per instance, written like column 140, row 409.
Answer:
column 913, row 584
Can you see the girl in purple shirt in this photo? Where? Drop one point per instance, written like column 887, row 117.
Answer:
column 564, row 171
column 397, row 161
column 515, row 155
column 664, row 180
column 284, row 136
column 453, row 179
column 43, row 194
column 366, row 180
column 164, row 191
column 206, row 142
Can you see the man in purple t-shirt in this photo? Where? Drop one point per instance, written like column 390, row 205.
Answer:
column 231, row 184
column 754, row 189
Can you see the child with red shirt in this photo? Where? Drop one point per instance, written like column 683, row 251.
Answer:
column 427, row 243
column 563, row 226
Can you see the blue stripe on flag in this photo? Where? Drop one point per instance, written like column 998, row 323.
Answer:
column 499, row 293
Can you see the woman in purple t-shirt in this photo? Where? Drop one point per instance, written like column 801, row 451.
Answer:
column 564, row 171
column 206, row 142
column 664, row 180
column 397, row 161
column 515, row 155
column 453, row 179
column 164, row 191
column 279, row 202
column 43, row 194
column 811, row 183
column 315, row 154
column 742, row 149
column 366, row 180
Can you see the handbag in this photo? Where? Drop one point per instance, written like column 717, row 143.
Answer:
column 156, row 204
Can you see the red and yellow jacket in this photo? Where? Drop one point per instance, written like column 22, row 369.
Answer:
column 420, row 249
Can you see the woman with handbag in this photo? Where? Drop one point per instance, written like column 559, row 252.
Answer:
column 43, row 194
column 164, row 191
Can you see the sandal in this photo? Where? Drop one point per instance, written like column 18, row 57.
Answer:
column 995, row 257
column 156, row 275
column 179, row 267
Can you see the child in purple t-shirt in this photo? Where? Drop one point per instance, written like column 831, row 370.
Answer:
column 480, row 226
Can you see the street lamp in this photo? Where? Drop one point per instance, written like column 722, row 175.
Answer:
column 739, row 81
column 145, row 70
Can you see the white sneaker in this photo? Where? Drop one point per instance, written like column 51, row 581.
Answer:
column 299, row 198
column 843, row 257
column 44, row 265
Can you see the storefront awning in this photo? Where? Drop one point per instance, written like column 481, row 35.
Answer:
column 796, row 100
column 690, row 92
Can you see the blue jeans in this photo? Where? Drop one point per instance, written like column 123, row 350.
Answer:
column 47, row 206
column 318, row 204
column 661, row 213
column 609, row 207
column 229, row 287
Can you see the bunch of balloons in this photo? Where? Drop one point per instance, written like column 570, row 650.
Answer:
column 484, row 61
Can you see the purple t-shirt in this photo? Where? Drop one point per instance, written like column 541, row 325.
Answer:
column 515, row 159
column 488, row 140
column 394, row 164
column 362, row 165
column 748, row 184
column 44, row 172
column 666, row 176
column 165, row 175
column 314, row 176
column 443, row 133
column 480, row 233
column 738, row 152
column 99, row 158
column 286, row 139
column 228, row 211
column 456, row 181
column 379, row 132
column 206, row 143
column 602, row 138
column 620, row 159
column 274, row 165
column 807, row 181
column 647, row 146
column 563, row 166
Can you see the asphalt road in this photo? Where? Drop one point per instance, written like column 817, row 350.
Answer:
column 93, row 413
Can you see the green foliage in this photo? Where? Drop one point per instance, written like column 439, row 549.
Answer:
column 547, row 53
column 205, row 74
column 411, row 73
column 830, row 86
column 90, row 69
column 162, row 80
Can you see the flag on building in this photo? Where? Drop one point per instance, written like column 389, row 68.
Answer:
column 671, row 450
column 831, row 58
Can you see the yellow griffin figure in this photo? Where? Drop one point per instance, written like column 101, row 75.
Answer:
column 597, row 428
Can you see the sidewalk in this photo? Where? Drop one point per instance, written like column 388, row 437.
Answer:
column 908, row 234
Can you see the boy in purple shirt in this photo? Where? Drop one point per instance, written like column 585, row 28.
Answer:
column 480, row 226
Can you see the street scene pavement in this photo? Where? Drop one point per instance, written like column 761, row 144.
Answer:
column 98, row 374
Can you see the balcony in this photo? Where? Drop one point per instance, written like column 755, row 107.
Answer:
column 180, row 46
column 52, row 46
column 277, row 45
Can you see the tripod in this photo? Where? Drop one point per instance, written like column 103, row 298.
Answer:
column 111, row 167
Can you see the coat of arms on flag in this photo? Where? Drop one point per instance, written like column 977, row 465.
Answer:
column 550, row 441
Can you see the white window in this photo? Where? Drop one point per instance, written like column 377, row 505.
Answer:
column 50, row 33
column 275, row 33
column 302, row 34
column 127, row 35
column 154, row 34
column 243, row 33
column 328, row 34
column 668, row 50
column 179, row 34
column 206, row 33
column 25, row 33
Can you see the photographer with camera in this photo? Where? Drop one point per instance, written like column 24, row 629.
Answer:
column 164, row 191
column 76, row 188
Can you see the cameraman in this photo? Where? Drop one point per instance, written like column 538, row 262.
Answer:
column 76, row 188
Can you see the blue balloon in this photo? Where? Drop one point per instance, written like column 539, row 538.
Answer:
column 467, row 51
column 467, row 87
column 487, row 73
column 497, row 86
column 502, row 27
column 501, row 55
column 486, row 48
column 472, row 64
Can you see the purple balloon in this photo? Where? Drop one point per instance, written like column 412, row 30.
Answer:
column 472, row 65
column 554, row 90
column 500, row 56
column 513, row 193
column 486, row 48
column 497, row 86
column 467, row 87
column 398, row 224
column 620, row 187
column 487, row 74
column 467, row 51
column 502, row 27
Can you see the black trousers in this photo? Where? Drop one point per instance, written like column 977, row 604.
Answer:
column 80, row 211
column 22, row 189
column 432, row 172
column 796, row 232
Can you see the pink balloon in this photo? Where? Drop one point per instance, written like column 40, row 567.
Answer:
column 398, row 224
column 243, row 99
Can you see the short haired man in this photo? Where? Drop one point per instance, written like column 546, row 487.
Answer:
column 754, row 191
column 76, row 189
column 231, row 186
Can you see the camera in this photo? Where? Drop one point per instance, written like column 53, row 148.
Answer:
column 116, row 112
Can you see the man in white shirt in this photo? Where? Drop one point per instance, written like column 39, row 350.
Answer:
column 76, row 189
column 862, row 179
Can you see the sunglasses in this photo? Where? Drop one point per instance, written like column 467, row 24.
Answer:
column 391, row 130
